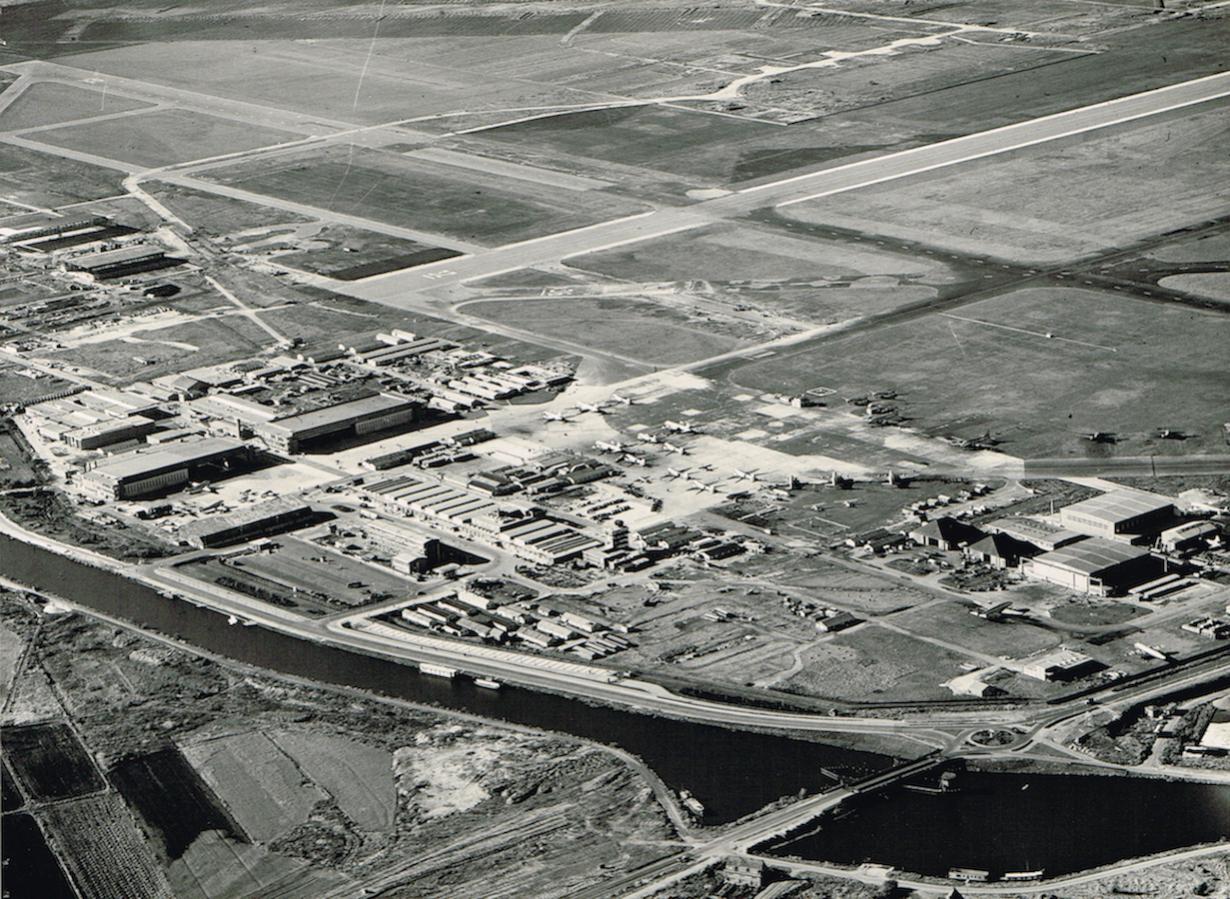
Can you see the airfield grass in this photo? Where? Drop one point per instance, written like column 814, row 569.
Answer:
column 1206, row 285
column 215, row 214
column 1011, row 638
column 969, row 371
column 808, row 278
column 411, row 193
column 631, row 329
column 163, row 137
column 216, row 340
column 50, row 103
column 1054, row 203
column 346, row 253
column 45, row 180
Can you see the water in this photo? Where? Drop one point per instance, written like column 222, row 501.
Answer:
column 732, row 772
column 1017, row 822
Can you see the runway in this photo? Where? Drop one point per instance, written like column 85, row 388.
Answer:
column 396, row 288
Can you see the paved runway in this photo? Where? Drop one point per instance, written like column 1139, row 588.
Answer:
column 394, row 289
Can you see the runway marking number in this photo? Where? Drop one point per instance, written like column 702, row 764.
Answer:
column 436, row 276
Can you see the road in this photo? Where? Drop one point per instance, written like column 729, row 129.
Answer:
column 394, row 288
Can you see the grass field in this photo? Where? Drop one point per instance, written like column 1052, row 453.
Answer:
column 306, row 566
column 872, row 663
column 163, row 137
column 396, row 190
column 1011, row 638
column 630, row 329
column 1098, row 372
column 358, row 776
column 259, row 784
column 50, row 103
column 45, row 180
column 216, row 214
column 148, row 354
column 345, row 253
column 809, row 278
column 1207, row 285
column 1053, row 203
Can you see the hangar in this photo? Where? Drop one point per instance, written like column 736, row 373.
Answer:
column 153, row 470
column 1095, row 566
column 362, row 416
column 1119, row 514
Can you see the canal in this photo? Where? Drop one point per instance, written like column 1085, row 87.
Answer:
column 1002, row 823
column 995, row 821
column 733, row 773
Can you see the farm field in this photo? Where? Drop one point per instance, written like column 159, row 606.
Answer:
column 1037, row 395
column 163, row 137
column 357, row 775
column 50, row 761
column 170, row 797
column 104, row 852
column 30, row 868
column 258, row 783
column 396, row 190
column 1050, row 204
column 630, row 329
column 50, row 103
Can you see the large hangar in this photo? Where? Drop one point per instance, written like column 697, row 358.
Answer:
column 1119, row 514
column 362, row 416
column 153, row 470
column 1095, row 566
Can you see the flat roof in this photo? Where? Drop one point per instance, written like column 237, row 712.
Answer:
column 252, row 515
column 339, row 412
column 115, row 257
column 164, row 456
column 1118, row 505
column 1092, row 555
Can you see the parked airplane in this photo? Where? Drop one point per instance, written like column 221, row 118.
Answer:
column 609, row 446
column 627, row 401
column 680, row 427
column 592, row 407
column 673, row 473
column 681, row 450
column 749, row 475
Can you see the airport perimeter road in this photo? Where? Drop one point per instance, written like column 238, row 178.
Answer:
column 394, row 289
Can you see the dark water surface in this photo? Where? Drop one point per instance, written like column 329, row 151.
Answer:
column 732, row 772
column 1003, row 823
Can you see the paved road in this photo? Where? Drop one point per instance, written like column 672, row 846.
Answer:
column 393, row 289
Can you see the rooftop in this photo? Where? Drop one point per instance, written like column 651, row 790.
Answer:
column 1092, row 555
column 1118, row 505
column 166, row 455
column 304, row 421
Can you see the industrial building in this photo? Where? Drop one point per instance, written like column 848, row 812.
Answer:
column 1041, row 534
column 366, row 415
column 1120, row 515
column 1095, row 566
column 125, row 261
column 156, row 469
column 275, row 517
column 945, row 533
column 1059, row 664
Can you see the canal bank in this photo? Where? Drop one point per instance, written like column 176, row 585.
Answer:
column 732, row 772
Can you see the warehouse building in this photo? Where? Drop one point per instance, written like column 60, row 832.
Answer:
column 1120, row 515
column 157, row 469
column 1059, row 664
column 1094, row 566
column 120, row 263
column 1045, row 536
column 367, row 415
column 275, row 517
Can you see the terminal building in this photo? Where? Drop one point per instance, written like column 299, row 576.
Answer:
column 1127, row 515
column 367, row 415
column 160, row 468
column 1095, row 566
